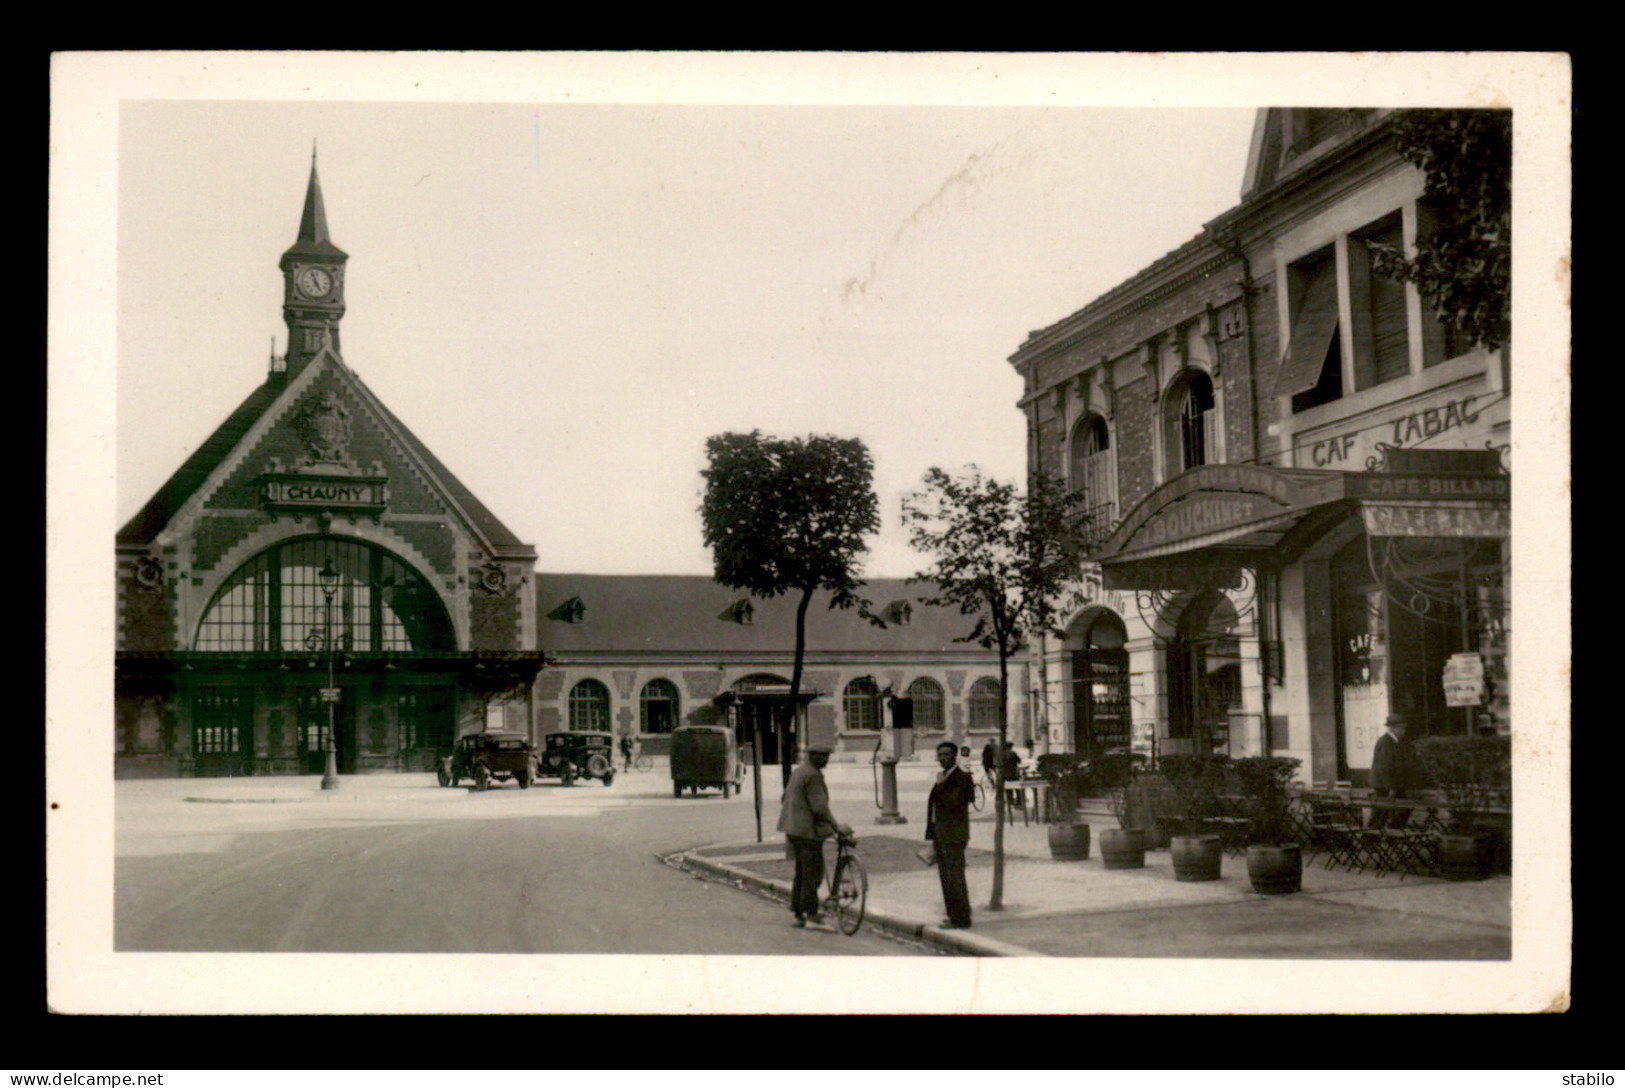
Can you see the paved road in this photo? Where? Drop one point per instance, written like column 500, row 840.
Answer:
column 546, row 870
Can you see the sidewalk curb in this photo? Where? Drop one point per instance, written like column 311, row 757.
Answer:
column 956, row 940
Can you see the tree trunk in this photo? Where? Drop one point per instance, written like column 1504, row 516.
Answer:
column 996, row 901
column 790, row 749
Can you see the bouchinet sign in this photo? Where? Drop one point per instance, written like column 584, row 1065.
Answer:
column 1215, row 498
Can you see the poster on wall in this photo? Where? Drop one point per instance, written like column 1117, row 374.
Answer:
column 1464, row 680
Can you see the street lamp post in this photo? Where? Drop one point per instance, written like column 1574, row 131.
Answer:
column 330, row 580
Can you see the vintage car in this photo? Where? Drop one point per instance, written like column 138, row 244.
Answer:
column 577, row 754
column 490, row 757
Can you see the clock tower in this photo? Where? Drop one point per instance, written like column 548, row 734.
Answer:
column 312, row 282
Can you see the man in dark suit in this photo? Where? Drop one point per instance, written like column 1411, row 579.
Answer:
column 947, row 826
column 1392, row 772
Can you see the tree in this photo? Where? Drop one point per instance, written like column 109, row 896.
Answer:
column 790, row 516
column 1463, row 264
column 1006, row 558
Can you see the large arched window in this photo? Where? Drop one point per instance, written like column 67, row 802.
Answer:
column 927, row 696
column 589, row 706
column 276, row 602
column 1091, row 474
column 861, row 705
column 984, row 704
column 657, row 707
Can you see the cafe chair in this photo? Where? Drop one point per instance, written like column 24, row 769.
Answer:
column 1334, row 828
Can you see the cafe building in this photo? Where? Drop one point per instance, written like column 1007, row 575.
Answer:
column 640, row 655
column 1297, row 479
column 313, row 577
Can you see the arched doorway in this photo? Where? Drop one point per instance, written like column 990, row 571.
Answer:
column 1097, row 642
column 1204, row 675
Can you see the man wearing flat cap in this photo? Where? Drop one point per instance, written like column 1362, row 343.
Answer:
column 1393, row 772
column 806, row 820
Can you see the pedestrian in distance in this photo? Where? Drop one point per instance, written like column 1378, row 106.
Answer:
column 1393, row 772
column 1012, row 773
column 806, row 820
column 947, row 828
column 626, row 749
column 990, row 762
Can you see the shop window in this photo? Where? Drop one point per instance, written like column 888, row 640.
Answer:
column 1091, row 474
column 928, row 703
column 589, row 706
column 657, row 707
column 1204, row 673
column 861, row 704
column 984, row 704
column 1100, row 692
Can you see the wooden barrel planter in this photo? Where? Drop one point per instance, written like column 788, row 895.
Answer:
column 1122, row 848
column 1196, row 857
column 1465, row 857
column 1069, row 841
column 1275, row 870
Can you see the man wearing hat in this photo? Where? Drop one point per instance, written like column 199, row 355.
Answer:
column 1392, row 772
column 806, row 820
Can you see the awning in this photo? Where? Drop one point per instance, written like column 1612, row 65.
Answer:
column 1204, row 527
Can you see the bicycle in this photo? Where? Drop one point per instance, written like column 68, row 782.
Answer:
column 641, row 762
column 848, row 885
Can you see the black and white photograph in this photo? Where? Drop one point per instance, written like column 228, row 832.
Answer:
column 757, row 533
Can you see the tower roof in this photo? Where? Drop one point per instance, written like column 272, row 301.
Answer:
column 313, row 239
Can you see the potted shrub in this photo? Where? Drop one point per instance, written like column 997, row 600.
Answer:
column 1193, row 783
column 1121, row 847
column 1274, row 856
column 1472, row 774
column 1068, row 831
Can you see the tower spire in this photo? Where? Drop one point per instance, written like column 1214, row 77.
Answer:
column 313, row 224
column 313, row 278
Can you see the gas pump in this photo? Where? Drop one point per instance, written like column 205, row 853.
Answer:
column 896, row 743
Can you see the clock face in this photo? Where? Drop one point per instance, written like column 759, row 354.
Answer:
column 315, row 282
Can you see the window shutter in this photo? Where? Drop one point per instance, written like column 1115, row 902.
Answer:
column 1312, row 332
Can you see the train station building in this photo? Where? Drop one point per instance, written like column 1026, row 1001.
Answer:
column 312, row 570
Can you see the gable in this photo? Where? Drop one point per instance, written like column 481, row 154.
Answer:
column 319, row 441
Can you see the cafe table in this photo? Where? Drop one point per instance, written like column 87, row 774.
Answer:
column 1019, row 791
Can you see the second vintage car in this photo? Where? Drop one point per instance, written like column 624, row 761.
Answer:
column 490, row 757
column 577, row 754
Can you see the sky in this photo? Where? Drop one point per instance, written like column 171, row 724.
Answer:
column 564, row 293
column 565, row 300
